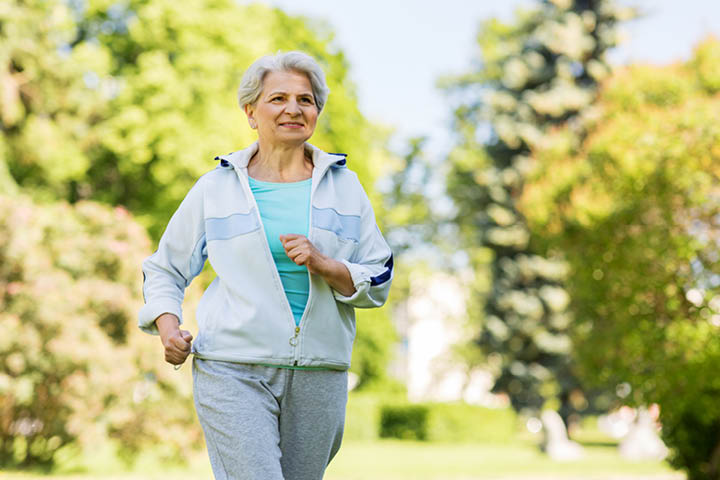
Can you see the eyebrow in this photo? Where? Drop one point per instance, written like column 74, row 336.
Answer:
column 285, row 93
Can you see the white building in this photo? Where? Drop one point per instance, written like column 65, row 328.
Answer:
column 433, row 321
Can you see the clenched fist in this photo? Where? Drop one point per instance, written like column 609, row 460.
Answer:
column 301, row 251
column 177, row 342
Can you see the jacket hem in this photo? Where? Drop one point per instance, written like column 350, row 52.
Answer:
column 280, row 362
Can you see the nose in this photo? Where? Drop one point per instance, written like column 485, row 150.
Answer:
column 292, row 107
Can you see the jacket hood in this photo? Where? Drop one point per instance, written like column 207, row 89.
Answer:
column 321, row 159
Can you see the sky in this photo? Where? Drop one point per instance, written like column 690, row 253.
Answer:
column 397, row 49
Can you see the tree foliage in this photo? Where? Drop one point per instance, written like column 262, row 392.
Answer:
column 538, row 73
column 635, row 207
column 128, row 103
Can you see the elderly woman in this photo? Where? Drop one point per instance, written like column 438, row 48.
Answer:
column 292, row 237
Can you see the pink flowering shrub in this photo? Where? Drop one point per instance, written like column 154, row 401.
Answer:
column 74, row 368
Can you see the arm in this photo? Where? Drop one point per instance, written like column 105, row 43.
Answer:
column 371, row 268
column 364, row 282
column 180, row 257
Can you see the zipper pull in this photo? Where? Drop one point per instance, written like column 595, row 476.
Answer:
column 294, row 338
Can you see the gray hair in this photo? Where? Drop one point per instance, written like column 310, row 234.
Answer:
column 252, row 80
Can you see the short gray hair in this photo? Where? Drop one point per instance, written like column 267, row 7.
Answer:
column 252, row 80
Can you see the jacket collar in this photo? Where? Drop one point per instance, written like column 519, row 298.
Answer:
column 321, row 160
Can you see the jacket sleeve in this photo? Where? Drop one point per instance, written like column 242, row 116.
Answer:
column 371, row 268
column 179, row 258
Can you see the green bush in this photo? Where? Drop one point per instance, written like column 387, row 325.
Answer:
column 74, row 368
column 435, row 422
column 694, row 434
column 406, row 422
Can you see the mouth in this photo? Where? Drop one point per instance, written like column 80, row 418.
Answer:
column 292, row 125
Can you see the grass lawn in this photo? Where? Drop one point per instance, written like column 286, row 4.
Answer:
column 395, row 460
column 404, row 460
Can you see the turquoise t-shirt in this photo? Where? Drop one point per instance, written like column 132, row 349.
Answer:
column 285, row 208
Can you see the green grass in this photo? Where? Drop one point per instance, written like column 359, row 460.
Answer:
column 405, row 460
column 399, row 460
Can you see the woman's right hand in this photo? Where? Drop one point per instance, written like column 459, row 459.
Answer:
column 176, row 342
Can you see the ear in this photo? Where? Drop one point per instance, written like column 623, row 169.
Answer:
column 250, row 112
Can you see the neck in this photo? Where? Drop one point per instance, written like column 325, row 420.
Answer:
column 280, row 163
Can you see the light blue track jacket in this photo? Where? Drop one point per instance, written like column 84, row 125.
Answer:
column 244, row 315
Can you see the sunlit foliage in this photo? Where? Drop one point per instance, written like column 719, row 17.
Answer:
column 636, row 210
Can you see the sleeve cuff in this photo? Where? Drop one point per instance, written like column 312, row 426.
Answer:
column 150, row 311
column 361, row 281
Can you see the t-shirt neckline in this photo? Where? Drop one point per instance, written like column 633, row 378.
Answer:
column 280, row 184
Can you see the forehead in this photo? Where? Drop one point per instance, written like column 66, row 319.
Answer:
column 287, row 81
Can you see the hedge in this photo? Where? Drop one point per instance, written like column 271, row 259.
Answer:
column 370, row 417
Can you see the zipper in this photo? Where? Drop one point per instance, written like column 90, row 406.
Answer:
column 276, row 274
column 310, row 288
column 295, row 339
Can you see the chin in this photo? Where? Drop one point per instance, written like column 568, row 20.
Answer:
column 289, row 142
column 293, row 137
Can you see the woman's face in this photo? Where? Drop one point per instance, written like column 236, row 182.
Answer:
column 285, row 112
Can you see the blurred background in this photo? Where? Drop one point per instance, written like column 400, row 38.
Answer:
column 547, row 172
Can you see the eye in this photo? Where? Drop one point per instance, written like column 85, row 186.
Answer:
column 307, row 100
column 274, row 99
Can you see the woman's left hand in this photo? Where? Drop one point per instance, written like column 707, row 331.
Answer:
column 301, row 251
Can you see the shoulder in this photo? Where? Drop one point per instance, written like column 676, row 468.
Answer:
column 349, row 195
column 347, row 182
column 207, row 183
column 339, row 170
column 218, row 174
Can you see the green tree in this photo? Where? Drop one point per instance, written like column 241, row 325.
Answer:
column 45, row 107
column 128, row 103
column 636, row 209
column 538, row 73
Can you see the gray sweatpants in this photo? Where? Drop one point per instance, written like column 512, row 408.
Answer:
column 266, row 423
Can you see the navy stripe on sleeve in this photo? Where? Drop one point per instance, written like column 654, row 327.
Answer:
column 385, row 276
